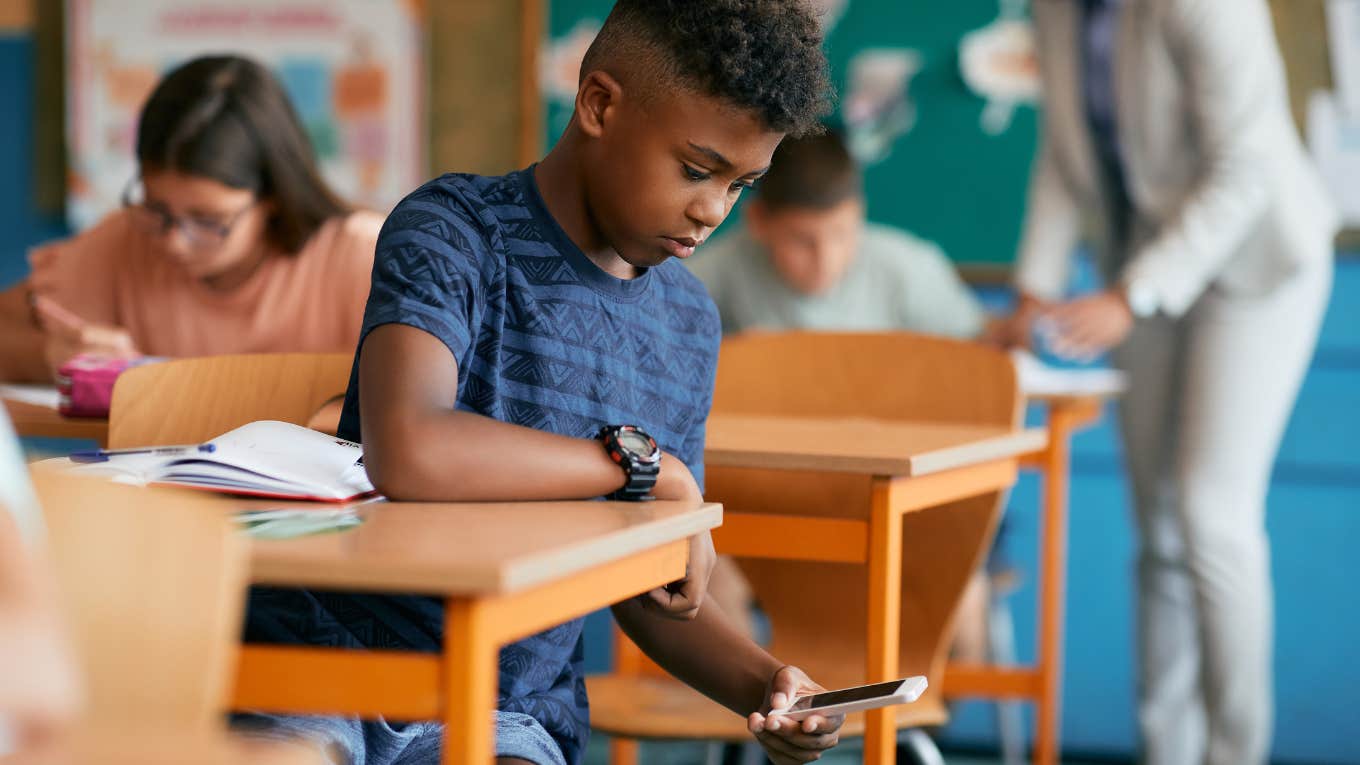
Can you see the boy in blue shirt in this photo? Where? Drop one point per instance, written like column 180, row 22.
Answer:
column 529, row 334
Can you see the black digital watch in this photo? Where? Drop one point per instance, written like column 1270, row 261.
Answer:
column 637, row 453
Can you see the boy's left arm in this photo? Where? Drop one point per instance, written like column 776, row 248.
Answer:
column 710, row 656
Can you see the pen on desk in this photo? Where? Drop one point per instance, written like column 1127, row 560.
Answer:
column 103, row 455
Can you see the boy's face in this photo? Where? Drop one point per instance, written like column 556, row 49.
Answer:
column 661, row 175
column 809, row 248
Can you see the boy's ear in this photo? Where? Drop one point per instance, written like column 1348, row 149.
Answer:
column 595, row 99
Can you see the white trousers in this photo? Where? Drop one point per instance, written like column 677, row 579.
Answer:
column 1210, row 395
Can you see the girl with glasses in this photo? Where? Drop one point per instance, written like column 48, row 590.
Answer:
column 228, row 241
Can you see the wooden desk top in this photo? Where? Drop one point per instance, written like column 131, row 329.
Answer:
column 466, row 549
column 447, row 548
column 35, row 420
column 160, row 746
column 873, row 447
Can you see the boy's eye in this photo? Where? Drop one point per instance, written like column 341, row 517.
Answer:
column 740, row 186
column 694, row 175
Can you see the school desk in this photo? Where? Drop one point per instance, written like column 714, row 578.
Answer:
column 32, row 418
column 1041, row 682
column 161, row 746
column 910, row 468
column 505, row 571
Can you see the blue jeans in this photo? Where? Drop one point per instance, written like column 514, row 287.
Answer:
column 351, row 741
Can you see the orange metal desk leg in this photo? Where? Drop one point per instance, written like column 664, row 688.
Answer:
column 1053, row 582
column 623, row 751
column 885, row 618
column 469, row 682
column 628, row 660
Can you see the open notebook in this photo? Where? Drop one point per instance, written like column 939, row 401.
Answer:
column 261, row 459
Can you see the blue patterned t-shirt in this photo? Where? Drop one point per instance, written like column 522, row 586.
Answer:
column 543, row 338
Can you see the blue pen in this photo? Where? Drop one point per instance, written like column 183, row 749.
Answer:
column 103, row 455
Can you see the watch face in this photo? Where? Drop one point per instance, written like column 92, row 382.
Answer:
column 634, row 443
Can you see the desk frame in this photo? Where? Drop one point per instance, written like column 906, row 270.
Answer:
column 1040, row 683
column 457, row 687
column 42, row 422
column 877, row 543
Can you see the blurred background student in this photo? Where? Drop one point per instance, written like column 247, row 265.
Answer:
column 804, row 257
column 228, row 241
column 1169, row 121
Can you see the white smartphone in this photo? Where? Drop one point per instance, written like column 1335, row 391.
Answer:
column 856, row 699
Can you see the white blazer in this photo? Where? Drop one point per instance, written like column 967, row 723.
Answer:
column 1222, row 190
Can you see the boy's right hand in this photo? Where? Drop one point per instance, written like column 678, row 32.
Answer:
column 681, row 599
column 792, row 742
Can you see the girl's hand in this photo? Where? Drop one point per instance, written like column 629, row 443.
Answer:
column 68, row 335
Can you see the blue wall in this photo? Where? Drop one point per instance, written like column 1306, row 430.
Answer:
column 20, row 224
column 1314, row 527
column 1313, row 521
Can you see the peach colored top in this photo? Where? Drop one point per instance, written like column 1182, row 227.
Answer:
column 312, row 301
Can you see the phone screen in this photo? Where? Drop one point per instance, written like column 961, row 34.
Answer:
column 846, row 695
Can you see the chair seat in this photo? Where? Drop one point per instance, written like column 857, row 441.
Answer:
column 644, row 707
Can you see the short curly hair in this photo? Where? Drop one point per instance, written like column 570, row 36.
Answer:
column 761, row 55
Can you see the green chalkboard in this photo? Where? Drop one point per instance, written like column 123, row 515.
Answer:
column 944, row 179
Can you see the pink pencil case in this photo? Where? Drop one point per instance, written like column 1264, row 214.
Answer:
column 85, row 383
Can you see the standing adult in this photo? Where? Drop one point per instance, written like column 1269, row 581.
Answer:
column 1167, row 122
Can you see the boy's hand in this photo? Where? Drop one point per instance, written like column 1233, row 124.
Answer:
column 793, row 741
column 681, row 599
column 69, row 335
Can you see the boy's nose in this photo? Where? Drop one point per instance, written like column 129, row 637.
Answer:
column 708, row 210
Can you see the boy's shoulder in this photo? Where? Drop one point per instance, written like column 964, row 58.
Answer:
column 471, row 220
column 474, row 199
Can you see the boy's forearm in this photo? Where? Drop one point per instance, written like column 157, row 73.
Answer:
column 459, row 456
column 419, row 446
column 706, row 653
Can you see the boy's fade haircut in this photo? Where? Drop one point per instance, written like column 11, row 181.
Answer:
column 814, row 172
column 760, row 55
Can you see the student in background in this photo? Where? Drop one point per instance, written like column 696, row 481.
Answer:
column 806, row 258
column 1167, row 121
column 228, row 241
column 516, row 321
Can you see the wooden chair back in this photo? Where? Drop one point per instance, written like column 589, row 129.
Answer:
column 818, row 610
column 152, row 585
column 188, row 401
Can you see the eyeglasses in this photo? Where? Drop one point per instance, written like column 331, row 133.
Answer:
column 200, row 233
